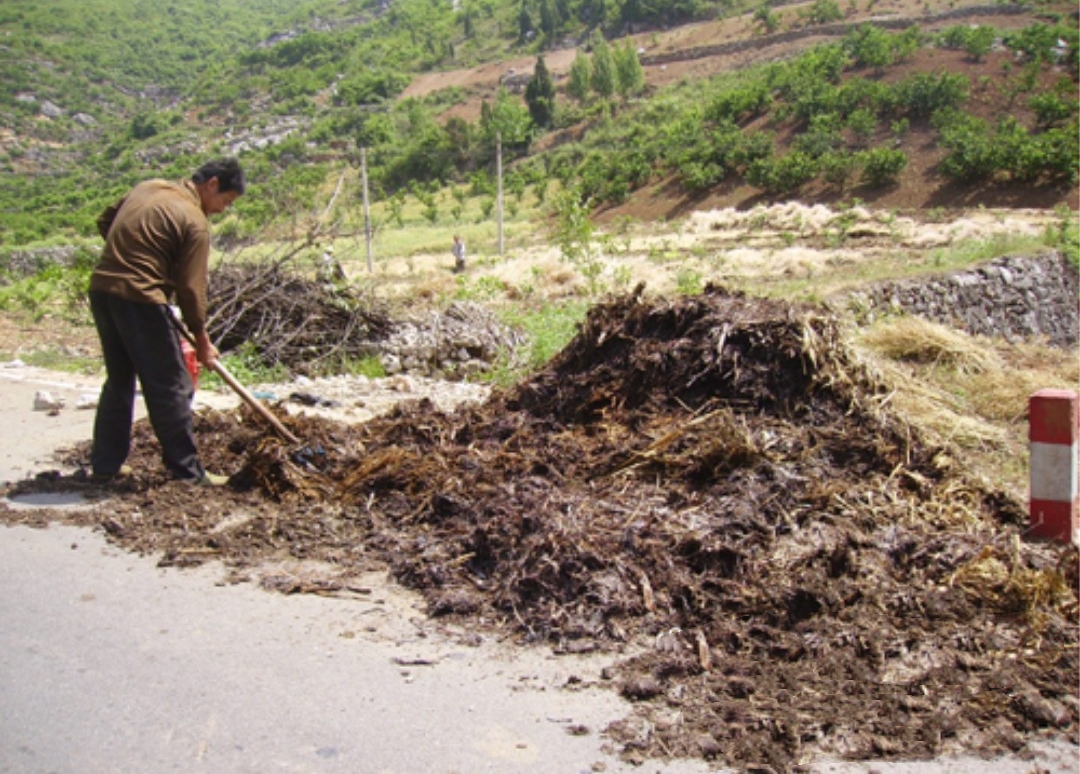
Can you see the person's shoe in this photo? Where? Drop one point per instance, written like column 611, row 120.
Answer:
column 211, row 479
column 101, row 476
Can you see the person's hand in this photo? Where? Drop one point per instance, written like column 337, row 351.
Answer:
column 205, row 349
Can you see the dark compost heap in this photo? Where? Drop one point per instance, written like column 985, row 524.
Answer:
column 712, row 486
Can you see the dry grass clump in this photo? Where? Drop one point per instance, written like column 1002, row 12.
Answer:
column 962, row 379
column 935, row 407
column 971, row 392
column 914, row 340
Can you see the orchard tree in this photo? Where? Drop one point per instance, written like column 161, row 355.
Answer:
column 604, row 79
column 629, row 73
column 577, row 86
column 768, row 20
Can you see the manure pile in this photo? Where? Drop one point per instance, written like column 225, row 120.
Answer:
column 712, row 486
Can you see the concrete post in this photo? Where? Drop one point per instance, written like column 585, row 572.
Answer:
column 1054, row 428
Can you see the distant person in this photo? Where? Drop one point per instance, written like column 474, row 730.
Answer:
column 458, row 249
column 331, row 270
column 157, row 250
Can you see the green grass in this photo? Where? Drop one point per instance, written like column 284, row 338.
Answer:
column 57, row 359
column 246, row 367
column 548, row 329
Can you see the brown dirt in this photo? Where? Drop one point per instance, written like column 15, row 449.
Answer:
column 712, row 486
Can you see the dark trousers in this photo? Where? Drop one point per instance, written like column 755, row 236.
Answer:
column 139, row 342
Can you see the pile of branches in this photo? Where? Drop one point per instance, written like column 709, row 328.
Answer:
column 291, row 320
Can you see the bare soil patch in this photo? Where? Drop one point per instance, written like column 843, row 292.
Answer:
column 712, row 486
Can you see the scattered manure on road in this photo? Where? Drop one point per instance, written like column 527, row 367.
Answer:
column 712, row 486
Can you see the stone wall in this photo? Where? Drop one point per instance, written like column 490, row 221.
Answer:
column 1028, row 297
column 460, row 341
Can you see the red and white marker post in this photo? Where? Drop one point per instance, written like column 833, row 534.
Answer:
column 1054, row 427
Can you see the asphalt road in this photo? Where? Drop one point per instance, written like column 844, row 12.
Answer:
column 111, row 664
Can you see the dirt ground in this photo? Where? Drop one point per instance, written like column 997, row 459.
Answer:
column 710, row 486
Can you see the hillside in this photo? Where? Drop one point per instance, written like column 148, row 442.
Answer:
column 297, row 94
column 707, row 50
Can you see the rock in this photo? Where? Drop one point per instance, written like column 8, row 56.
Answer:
column 46, row 401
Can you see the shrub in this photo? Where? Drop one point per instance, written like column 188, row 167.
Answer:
column 921, row 95
column 784, row 174
column 881, row 166
column 1051, row 108
column 822, row 136
column 971, row 148
column 839, row 167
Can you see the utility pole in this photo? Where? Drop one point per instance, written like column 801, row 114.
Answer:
column 498, row 176
column 367, row 210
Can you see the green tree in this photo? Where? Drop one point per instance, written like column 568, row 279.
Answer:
column 782, row 174
column 881, row 166
column 824, row 11
column 979, row 41
column 550, row 18
column 628, row 70
column 574, row 234
column 578, row 82
column 604, row 79
column 467, row 14
column 769, row 21
column 525, row 22
column 870, row 46
column 144, row 126
column 862, row 123
column 540, row 95
column 1051, row 108
column 507, row 119
column 968, row 139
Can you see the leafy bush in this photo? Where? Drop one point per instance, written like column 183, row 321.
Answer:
column 823, row 12
column 1060, row 153
column 821, row 137
column 1039, row 43
column 971, row 148
column 548, row 330
column 870, row 46
column 1051, row 108
column 708, row 162
column 739, row 103
column 54, row 288
column 783, row 174
column 882, row 166
column 922, row 94
column 838, row 167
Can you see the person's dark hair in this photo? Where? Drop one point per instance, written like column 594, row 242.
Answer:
column 228, row 172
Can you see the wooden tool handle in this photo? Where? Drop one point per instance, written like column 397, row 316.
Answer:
column 252, row 401
column 219, row 368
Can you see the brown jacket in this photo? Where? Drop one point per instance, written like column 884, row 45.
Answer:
column 157, row 249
